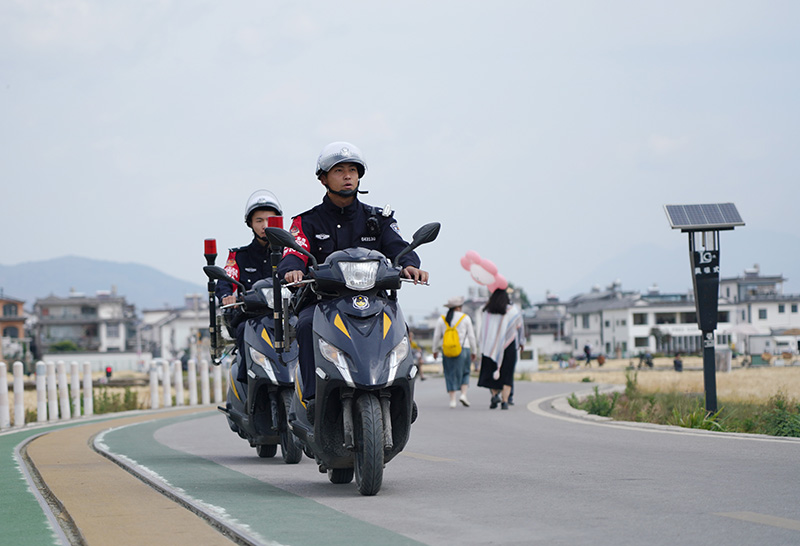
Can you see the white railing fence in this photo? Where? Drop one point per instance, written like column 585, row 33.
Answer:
column 54, row 391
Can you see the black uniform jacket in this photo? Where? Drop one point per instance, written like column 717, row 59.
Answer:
column 246, row 264
column 327, row 228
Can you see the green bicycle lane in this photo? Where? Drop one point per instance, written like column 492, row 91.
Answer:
column 26, row 518
column 264, row 514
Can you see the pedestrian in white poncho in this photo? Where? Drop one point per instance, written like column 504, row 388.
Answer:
column 500, row 335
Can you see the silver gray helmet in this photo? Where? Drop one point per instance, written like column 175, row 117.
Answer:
column 261, row 199
column 340, row 152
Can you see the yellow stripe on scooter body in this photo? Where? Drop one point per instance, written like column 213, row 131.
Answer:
column 387, row 325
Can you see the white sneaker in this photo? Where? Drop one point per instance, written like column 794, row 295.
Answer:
column 463, row 400
column 452, row 404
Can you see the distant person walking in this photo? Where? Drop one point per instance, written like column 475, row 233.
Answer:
column 500, row 335
column 587, row 350
column 455, row 336
column 677, row 363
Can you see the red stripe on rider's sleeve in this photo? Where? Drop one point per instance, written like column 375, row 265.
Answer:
column 231, row 267
column 300, row 238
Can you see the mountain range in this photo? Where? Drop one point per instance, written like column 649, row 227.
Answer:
column 141, row 285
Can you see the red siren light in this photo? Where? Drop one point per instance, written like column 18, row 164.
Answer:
column 275, row 221
column 210, row 246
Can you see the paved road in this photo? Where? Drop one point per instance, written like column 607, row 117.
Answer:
column 480, row 476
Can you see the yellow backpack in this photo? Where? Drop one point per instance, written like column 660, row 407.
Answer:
column 451, row 344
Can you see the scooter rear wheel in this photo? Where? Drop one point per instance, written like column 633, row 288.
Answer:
column 290, row 446
column 369, row 445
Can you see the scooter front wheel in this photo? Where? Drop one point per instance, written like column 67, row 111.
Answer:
column 290, row 445
column 369, row 445
column 266, row 451
column 340, row 475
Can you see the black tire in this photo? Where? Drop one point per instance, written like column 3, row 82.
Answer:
column 266, row 451
column 290, row 446
column 368, row 425
column 340, row 475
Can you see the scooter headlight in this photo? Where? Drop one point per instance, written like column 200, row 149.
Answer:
column 359, row 275
column 396, row 356
column 335, row 356
column 264, row 362
column 267, row 294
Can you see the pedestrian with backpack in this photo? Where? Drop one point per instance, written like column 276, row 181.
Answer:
column 455, row 336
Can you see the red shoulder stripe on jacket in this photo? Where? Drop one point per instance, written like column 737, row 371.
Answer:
column 300, row 238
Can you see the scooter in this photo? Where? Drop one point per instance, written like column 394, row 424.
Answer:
column 364, row 404
column 257, row 409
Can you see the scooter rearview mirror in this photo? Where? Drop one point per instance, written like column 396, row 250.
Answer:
column 217, row 273
column 425, row 234
column 278, row 237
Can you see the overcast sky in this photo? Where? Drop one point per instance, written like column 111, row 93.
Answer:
column 544, row 135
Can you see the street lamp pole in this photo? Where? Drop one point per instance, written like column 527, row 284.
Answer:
column 703, row 224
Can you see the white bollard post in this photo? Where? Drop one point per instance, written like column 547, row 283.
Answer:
column 218, row 384
column 153, row 385
column 88, row 393
column 63, row 392
column 52, row 393
column 204, row 391
column 19, row 394
column 192, row 373
column 41, row 392
column 5, row 412
column 167, row 388
column 75, row 382
column 178, row 382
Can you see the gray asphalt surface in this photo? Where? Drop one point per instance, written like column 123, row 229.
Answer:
column 528, row 475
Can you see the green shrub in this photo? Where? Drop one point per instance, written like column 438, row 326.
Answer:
column 105, row 401
column 597, row 404
column 780, row 419
column 64, row 346
column 698, row 418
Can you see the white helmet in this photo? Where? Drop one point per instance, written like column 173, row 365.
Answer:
column 261, row 199
column 340, row 152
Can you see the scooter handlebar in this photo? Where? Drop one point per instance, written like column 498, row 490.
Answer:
column 403, row 279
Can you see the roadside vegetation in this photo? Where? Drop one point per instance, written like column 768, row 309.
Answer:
column 111, row 401
column 777, row 416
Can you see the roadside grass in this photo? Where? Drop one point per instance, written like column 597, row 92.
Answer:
column 106, row 400
column 777, row 416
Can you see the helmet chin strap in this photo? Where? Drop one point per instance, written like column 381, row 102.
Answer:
column 260, row 237
column 348, row 193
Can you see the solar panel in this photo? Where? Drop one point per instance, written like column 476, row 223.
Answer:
column 703, row 217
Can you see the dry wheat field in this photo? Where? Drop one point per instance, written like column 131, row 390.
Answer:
column 756, row 384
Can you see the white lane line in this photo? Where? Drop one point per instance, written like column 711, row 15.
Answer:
column 773, row 521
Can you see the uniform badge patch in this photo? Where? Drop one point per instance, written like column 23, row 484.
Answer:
column 322, row 236
column 361, row 302
column 396, row 228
